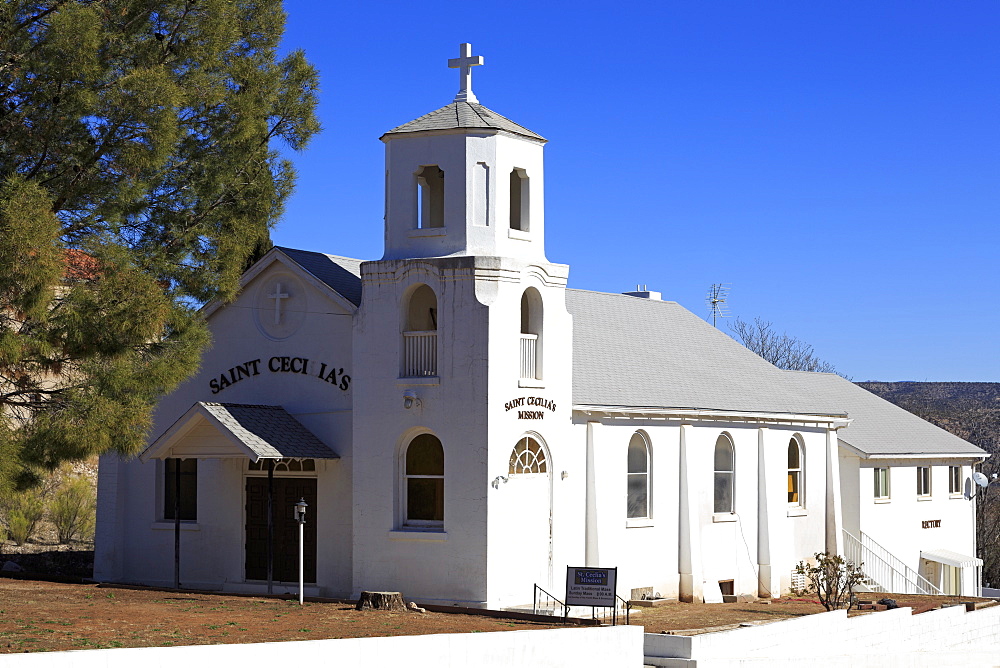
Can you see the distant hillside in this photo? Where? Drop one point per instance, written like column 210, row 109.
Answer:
column 968, row 410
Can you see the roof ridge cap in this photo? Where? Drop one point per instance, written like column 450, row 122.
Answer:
column 477, row 113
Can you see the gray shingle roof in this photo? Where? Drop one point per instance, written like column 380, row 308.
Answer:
column 635, row 352
column 269, row 431
column 631, row 351
column 342, row 274
column 463, row 115
column 879, row 427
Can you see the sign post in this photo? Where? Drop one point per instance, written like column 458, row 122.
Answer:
column 300, row 517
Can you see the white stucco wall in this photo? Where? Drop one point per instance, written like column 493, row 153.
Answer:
column 896, row 522
column 135, row 545
column 440, row 566
column 613, row 647
column 724, row 546
column 530, row 541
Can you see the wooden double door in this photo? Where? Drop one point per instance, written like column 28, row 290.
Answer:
column 286, row 493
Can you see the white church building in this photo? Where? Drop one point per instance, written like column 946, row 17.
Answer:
column 463, row 426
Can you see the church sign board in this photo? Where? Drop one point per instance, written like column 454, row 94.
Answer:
column 595, row 587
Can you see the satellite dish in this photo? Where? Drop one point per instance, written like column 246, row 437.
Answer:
column 981, row 479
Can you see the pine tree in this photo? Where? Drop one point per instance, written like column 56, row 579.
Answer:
column 139, row 169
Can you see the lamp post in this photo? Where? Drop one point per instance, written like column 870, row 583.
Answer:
column 300, row 517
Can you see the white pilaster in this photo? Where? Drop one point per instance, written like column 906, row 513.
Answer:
column 591, row 552
column 834, row 512
column 765, row 585
column 689, row 534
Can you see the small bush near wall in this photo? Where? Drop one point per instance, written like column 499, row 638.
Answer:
column 831, row 578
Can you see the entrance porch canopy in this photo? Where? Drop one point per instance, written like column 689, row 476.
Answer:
column 949, row 558
column 230, row 431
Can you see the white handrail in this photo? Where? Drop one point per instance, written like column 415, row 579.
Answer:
column 419, row 354
column 529, row 356
column 885, row 571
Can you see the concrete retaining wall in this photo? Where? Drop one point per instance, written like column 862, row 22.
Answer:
column 611, row 647
column 946, row 637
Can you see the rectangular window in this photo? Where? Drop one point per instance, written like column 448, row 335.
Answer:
column 954, row 479
column 188, row 488
column 923, row 481
column 881, row 483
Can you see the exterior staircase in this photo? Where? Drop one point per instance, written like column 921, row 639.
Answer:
column 884, row 572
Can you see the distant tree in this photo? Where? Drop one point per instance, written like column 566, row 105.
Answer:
column 138, row 171
column 781, row 350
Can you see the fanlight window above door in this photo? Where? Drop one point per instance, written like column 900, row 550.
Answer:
column 284, row 464
column 527, row 457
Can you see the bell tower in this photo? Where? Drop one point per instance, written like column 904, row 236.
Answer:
column 463, row 366
column 463, row 180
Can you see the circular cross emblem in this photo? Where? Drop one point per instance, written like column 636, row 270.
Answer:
column 279, row 306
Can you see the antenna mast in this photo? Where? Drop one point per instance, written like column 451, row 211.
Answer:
column 716, row 301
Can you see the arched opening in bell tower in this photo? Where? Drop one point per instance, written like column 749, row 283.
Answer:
column 531, row 334
column 420, row 333
column 430, row 200
column 519, row 199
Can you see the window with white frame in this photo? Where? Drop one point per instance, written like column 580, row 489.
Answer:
column 881, row 483
column 423, row 474
column 923, row 481
column 180, row 489
column 528, row 456
column 954, row 479
column 638, row 477
column 724, row 474
column 795, row 460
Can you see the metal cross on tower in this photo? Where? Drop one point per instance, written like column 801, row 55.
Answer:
column 466, row 62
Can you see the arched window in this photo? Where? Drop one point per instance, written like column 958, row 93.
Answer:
column 796, row 497
column 724, row 473
column 420, row 334
column 519, row 200
column 531, row 334
column 638, row 477
column 423, row 472
column 527, row 457
column 430, row 209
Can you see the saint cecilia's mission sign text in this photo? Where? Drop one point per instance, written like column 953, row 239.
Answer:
column 539, row 402
column 301, row 365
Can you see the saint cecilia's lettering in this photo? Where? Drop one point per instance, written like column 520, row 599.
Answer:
column 279, row 364
column 540, row 402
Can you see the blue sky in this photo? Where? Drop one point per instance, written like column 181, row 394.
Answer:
column 836, row 163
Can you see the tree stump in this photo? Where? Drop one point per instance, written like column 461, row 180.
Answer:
column 380, row 600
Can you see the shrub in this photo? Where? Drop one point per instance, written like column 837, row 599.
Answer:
column 22, row 511
column 72, row 509
column 832, row 578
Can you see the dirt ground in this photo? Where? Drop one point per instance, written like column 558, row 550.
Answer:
column 45, row 616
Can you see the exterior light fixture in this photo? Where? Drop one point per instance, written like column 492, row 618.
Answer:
column 410, row 400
